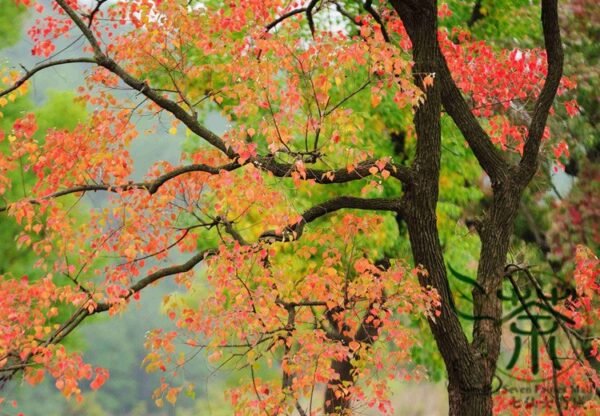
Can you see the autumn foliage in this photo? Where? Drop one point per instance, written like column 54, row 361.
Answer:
column 284, row 222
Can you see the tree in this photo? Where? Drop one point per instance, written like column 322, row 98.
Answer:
column 332, row 157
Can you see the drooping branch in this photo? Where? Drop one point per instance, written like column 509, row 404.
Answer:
column 87, row 309
column 159, row 274
column 102, row 59
column 19, row 362
column 151, row 186
column 284, row 16
column 172, row 107
column 309, row 15
column 345, row 13
column 85, row 30
column 267, row 163
column 31, row 72
column 476, row 13
column 95, row 10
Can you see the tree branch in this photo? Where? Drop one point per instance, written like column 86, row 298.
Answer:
column 555, row 58
column 172, row 107
column 264, row 162
column 360, row 171
column 83, row 312
column 284, row 17
column 282, row 170
column 488, row 156
column 475, row 14
column 159, row 274
column 345, row 13
column 93, row 13
column 309, row 16
column 31, row 72
column 368, row 5
column 294, row 231
column 152, row 186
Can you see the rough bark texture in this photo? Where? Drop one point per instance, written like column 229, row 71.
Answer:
column 465, row 373
column 470, row 366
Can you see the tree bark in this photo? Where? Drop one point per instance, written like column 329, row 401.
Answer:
column 468, row 403
column 470, row 366
column 469, row 378
column 337, row 399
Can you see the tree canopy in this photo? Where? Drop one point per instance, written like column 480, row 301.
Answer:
column 372, row 152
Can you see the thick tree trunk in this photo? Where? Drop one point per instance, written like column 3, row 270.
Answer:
column 470, row 369
column 470, row 366
column 468, row 403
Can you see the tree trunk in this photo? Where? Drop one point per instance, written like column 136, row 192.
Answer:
column 470, row 366
column 470, row 369
column 469, row 403
column 337, row 398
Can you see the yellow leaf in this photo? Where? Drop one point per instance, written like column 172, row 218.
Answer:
column 172, row 395
column 375, row 100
